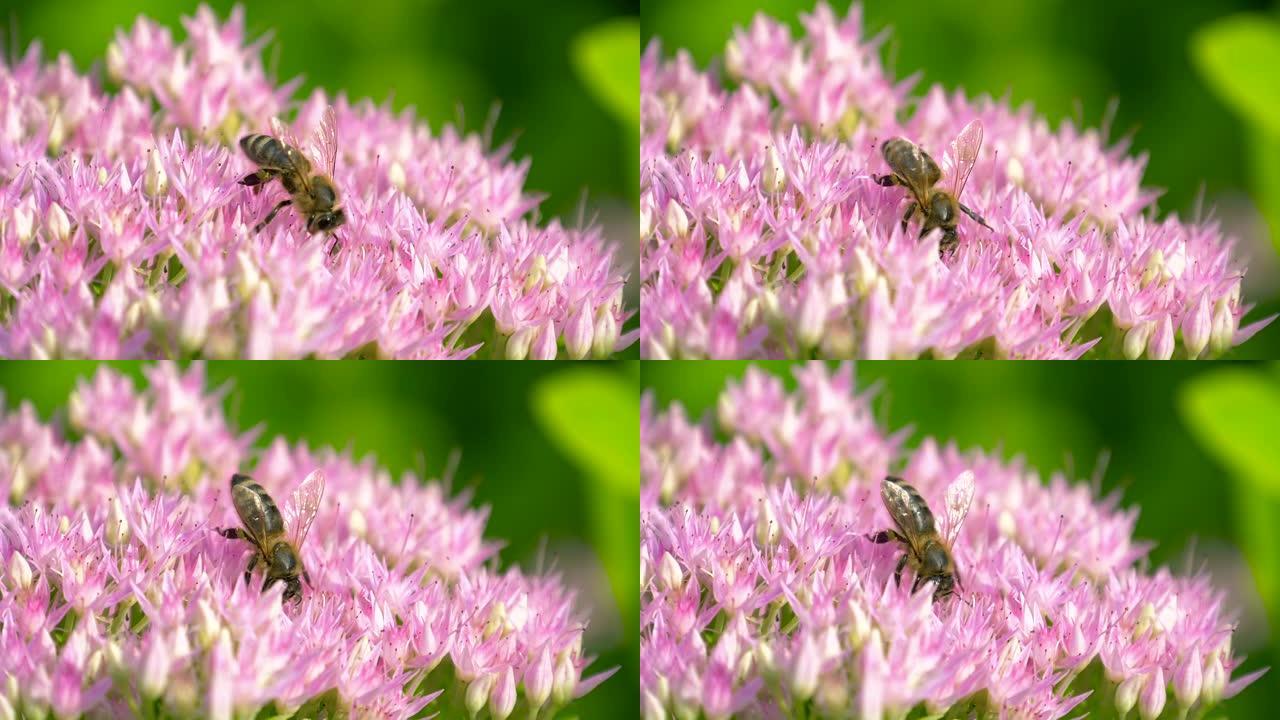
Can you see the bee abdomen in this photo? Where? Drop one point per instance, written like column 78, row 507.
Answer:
column 265, row 150
column 272, row 520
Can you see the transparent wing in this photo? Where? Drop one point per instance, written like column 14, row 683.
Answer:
column 285, row 134
column 327, row 141
column 964, row 154
column 959, row 498
column 302, row 506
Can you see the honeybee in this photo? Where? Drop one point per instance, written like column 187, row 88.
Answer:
column 915, row 170
column 926, row 551
column 264, row 527
column 314, row 194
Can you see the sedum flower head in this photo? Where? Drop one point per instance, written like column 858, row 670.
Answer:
column 124, row 233
column 118, row 598
column 764, row 235
column 763, row 596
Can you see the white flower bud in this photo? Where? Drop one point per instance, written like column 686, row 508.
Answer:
column 804, row 673
column 155, row 181
column 395, row 174
column 774, row 177
column 478, row 693
column 56, row 221
column 676, row 220
column 1135, row 341
column 117, row 529
column 565, row 680
column 24, row 218
column 57, row 133
column 1127, row 694
column 20, row 571
column 1224, row 328
column 519, row 342
column 670, row 575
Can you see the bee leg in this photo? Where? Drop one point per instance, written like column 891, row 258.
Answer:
column 897, row 572
column 886, row 180
column 885, row 536
column 248, row 572
column 976, row 217
column 255, row 179
column 911, row 210
column 916, row 584
column 271, row 215
column 232, row 533
column 307, row 576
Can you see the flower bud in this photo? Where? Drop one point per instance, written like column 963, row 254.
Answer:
column 544, row 345
column 117, row 529
column 1161, row 346
column 564, row 680
column 503, row 698
column 20, row 571
column 804, row 672
column 653, row 709
column 518, row 343
column 811, row 316
column 56, row 222
column 677, row 221
column 6, row 709
column 1196, row 326
column 155, row 666
column 734, row 59
column 774, row 177
column 478, row 693
column 1189, row 678
column 537, row 679
column 1135, row 341
column 1151, row 701
column 395, row 175
column 115, row 62
column 670, row 575
column 1224, row 328
column 57, row 133
column 578, row 332
column 646, row 220
column 1215, row 680
column 605, row 337
column 24, row 217
column 155, row 181
column 1127, row 694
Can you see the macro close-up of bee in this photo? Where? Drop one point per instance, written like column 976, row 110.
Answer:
column 916, row 170
column 927, row 552
column 264, row 526
column 314, row 194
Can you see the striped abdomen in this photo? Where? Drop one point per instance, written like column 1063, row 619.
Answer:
column 258, row 512
column 269, row 152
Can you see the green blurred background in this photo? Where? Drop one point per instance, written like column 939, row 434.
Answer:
column 552, row 449
column 1192, row 445
column 567, row 80
column 1195, row 83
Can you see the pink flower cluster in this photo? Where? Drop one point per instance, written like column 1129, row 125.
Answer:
column 764, row 235
column 124, row 233
column 762, row 595
column 118, row 598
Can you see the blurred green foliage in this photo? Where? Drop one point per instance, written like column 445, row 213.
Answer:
column 1069, row 59
column 1067, row 416
column 1238, row 57
column 550, row 507
column 439, row 56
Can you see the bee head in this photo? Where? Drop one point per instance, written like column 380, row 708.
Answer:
column 327, row 221
column 292, row 589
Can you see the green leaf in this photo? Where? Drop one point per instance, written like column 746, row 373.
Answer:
column 1238, row 57
column 607, row 58
column 593, row 416
column 1234, row 414
column 1266, row 179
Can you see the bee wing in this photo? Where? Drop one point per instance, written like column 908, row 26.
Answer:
column 302, row 506
column 964, row 154
column 257, row 512
column 300, row 162
column 897, row 500
column 959, row 498
column 327, row 141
